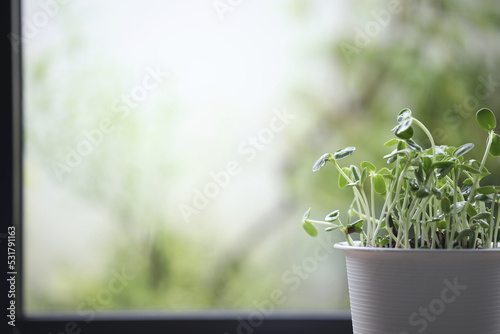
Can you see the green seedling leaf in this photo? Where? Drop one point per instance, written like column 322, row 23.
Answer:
column 467, row 232
column 355, row 227
column 406, row 134
column 332, row 228
column 342, row 180
column 404, row 115
column 424, row 192
column 427, row 161
column 356, row 175
column 333, row 216
column 442, row 172
column 495, row 146
column 481, row 215
column 369, row 166
column 401, row 145
column 486, row 190
column 458, row 207
column 419, row 174
column 471, row 211
column 486, row 119
column 440, row 150
column 306, row 215
column 414, row 146
column 484, row 224
column 392, row 159
column 395, row 153
column 344, row 153
column 441, row 225
column 383, row 242
column 468, row 168
column 379, row 184
column 484, row 198
column 445, row 205
column 468, row 182
column 462, row 150
column 414, row 186
column 474, row 163
column 321, row 162
column 384, row 171
column 364, row 175
column 310, row 229
column 443, row 164
column 391, row 142
column 436, row 192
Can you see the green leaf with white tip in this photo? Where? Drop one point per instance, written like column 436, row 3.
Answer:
column 333, row 228
column 414, row 146
column 344, row 153
column 462, row 150
column 356, row 174
column 404, row 115
column 321, row 162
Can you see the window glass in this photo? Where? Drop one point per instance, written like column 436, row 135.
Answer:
column 168, row 145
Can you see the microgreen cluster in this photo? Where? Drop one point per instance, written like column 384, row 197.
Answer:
column 432, row 197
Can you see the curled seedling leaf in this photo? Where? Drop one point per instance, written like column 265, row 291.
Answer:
column 462, row 150
column 333, row 216
column 332, row 228
column 306, row 215
column 465, row 233
column 356, row 175
column 321, row 162
column 404, row 115
column 414, row 146
column 406, row 134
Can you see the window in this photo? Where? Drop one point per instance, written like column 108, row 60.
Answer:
column 167, row 148
column 50, row 288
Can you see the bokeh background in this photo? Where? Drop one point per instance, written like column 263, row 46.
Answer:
column 123, row 179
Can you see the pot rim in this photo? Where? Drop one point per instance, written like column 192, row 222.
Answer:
column 344, row 246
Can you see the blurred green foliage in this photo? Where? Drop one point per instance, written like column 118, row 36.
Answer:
column 431, row 57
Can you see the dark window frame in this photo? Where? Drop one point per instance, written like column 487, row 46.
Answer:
column 121, row 322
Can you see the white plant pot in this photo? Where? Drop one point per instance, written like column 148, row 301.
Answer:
column 404, row 291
